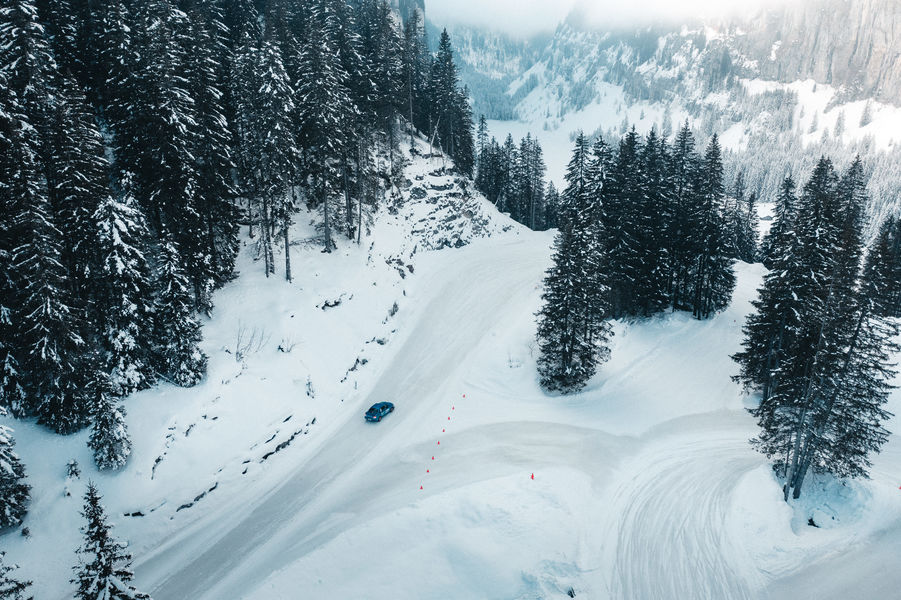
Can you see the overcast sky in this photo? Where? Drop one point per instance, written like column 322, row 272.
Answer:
column 526, row 17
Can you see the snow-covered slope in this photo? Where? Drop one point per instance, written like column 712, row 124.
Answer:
column 264, row 482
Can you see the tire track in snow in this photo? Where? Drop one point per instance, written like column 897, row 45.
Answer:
column 670, row 513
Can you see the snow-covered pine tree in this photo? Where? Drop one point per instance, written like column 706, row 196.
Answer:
column 10, row 587
column 684, row 220
column 324, row 107
column 572, row 331
column 622, row 205
column 110, row 77
column 176, row 330
column 14, row 492
column 381, row 48
column 883, row 269
column 78, row 181
column 714, row 279
column 109, row 436
column 777, row 238
column 651, row 264
column 275, row 152
column 62, row 27
column 843, row 410
column 416, row 75
column 104, row 569
column 122, row 292
column 46, row 324
column 551, row 207
column 245, row 38
column 749, row 248
column 207, row 72
column 451, row 116
column 26, row 60
column 12, row 395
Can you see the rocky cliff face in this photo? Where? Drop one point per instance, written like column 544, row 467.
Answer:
column 851, row 44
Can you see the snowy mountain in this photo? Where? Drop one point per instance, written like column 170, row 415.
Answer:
column 792, row 77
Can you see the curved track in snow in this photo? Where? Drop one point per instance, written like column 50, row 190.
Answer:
column 670, row 510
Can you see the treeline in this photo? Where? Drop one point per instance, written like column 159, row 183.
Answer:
column 819, row 345
column 513, row 178
column 644, row 228
column 138, row 137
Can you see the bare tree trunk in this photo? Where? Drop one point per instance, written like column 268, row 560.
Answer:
column 348, row 200
column 359, row 195
column 327, row 231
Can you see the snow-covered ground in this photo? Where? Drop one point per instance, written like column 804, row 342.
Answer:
column 644, row 484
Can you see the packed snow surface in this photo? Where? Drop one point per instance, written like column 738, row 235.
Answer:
column 265, row 481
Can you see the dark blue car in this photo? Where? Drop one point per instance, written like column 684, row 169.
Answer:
column 378, row 411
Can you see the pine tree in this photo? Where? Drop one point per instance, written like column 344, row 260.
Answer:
column 325, row 107
column 883, row 269
column 650, row 264
column 26, row 60
column 123, row 291
column 572, row 333
column 816, row 347
column 622, row 214
column 177, row 332
column 684, row 220
column 12, row 394
column 10, row 587
column 46, row 325
column 275, row 151
column 110, row 77
column 714, row 279
column 78, row 180
column 104, row 569
column 415, row 61
column 109, row 436
column 777, row 238
column 14, row 492
column 551, row 207
column 207, row 77
column 242, row 87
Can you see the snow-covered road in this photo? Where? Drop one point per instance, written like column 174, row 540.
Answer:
column 361, row 468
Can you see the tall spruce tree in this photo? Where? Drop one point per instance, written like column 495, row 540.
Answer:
column 572, row 331
column 14, row 492
column 325, row 106
column 714, row 279
column 274, row 151
column 176, row 330
column 104, row 569
column 12, row 394
column 681, row 241
column 122, row 287
column 207, row 81
column 109, row 436
column 776, row 240
column 883, row 269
